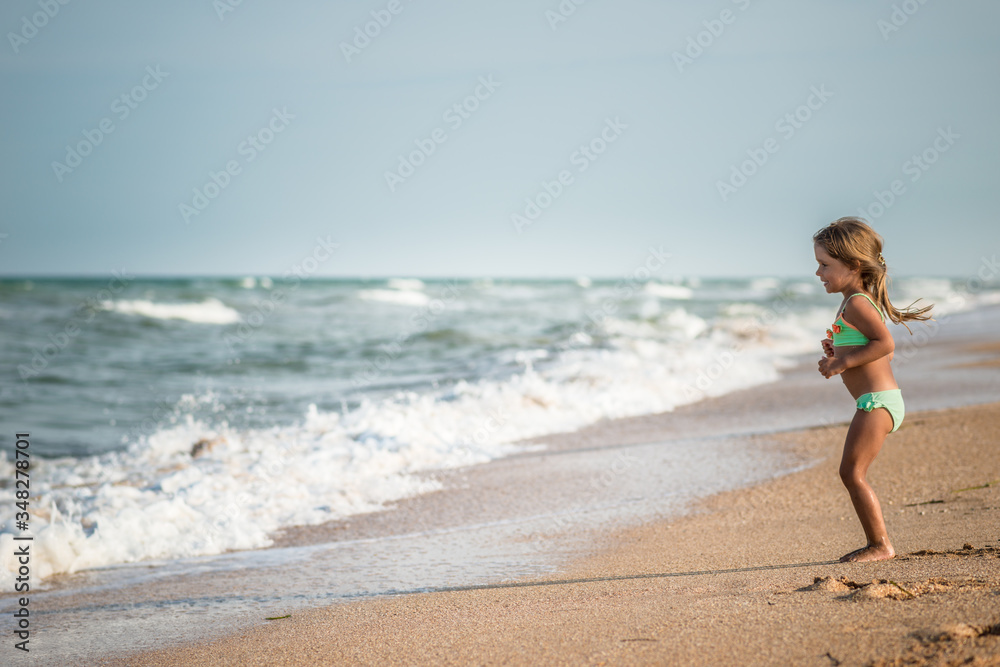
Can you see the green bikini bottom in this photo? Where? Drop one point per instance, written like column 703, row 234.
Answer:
column 891, row 400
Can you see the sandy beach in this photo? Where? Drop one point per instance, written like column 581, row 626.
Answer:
column 746, row 579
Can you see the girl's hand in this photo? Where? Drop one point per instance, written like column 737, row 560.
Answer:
column 828, row 347
column 831, row 366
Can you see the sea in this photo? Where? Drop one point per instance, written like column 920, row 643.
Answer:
column 172, row 418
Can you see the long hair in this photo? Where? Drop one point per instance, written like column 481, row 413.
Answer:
column 854, row 243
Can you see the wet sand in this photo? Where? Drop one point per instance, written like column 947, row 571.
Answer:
column 706, row 589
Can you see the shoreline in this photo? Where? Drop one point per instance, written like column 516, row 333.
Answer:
column 526, row 516
column 729, row 563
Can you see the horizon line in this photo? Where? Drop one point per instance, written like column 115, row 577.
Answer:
column 403, row 276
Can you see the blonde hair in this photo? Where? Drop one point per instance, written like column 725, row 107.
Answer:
column 854, row 243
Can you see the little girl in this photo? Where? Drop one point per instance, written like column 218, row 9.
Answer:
column 859, row 348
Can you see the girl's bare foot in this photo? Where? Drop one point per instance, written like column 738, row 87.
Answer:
column 871, row 552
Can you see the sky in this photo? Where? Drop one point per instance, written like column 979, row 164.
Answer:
column 511, row 138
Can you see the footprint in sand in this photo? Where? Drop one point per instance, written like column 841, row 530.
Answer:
column 879, row 590
column 831, row 585
column 951, row 644
column 958, row 631
column 966, row 550
column 882, row 589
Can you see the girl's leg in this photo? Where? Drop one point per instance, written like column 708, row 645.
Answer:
column 864, row 441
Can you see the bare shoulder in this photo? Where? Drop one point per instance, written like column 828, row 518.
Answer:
column 858, row 304
column 863, row 314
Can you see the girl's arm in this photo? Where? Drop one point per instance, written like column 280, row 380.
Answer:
column 866, row 319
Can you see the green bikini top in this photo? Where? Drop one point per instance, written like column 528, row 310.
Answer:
column 843, row 333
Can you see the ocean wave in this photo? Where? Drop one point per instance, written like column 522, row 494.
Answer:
column 667, row 291
column 401, row 297
column 764, row 284
column 946, row 296
column 250, row 282
column 199, row 485
column 195, row 488
column 411, row 284
column 209, row 311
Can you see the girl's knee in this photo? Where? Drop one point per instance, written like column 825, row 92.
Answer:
column 851, row 475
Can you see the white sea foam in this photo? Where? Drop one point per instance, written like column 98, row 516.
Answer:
column 209, row 311
column 406, row 284
column 764, row 284
column 804, row 288
column 401, row 297
column 250, row 282
column 945, row 297
column 667, row 291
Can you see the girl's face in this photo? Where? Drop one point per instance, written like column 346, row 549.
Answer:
column 836, row 275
